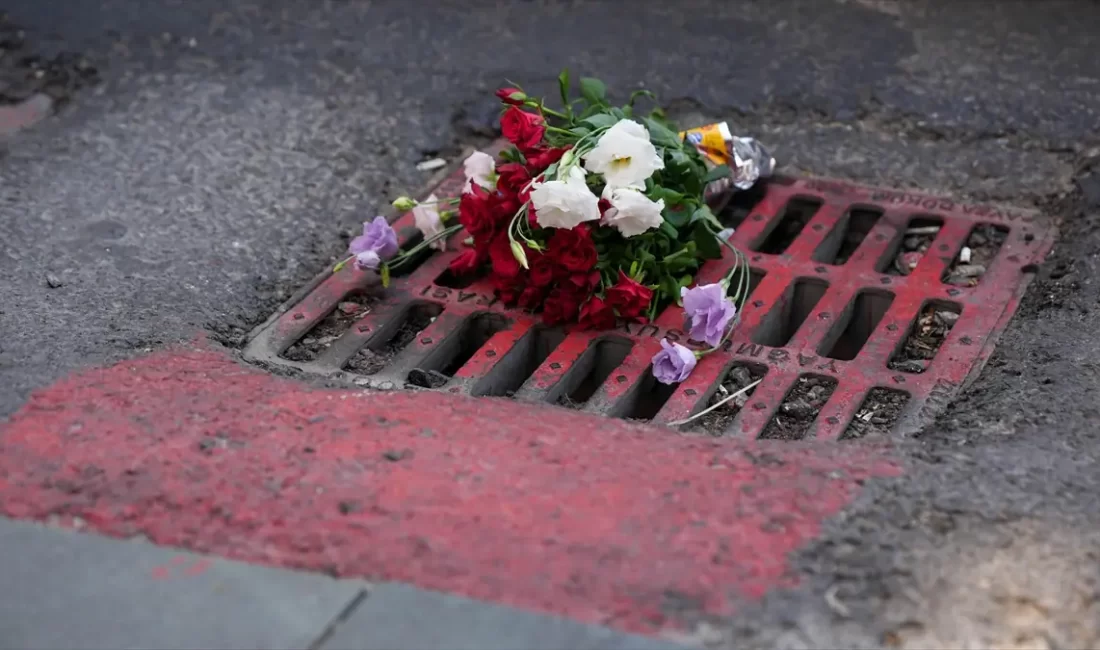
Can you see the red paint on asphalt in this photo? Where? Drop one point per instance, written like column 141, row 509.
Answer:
column 533, row 506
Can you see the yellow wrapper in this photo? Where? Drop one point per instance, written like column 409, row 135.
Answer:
column 712, row 141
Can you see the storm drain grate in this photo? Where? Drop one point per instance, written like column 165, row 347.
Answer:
column 870, row 310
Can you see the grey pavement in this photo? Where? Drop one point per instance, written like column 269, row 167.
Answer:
column 233, row 145
column 72, row 590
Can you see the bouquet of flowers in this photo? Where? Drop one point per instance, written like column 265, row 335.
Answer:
column 594, row 214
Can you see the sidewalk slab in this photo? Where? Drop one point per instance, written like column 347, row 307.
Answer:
column 400, row 617
column 72, row 590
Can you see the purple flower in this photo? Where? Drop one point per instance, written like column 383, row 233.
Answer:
column 673, row 363
column 378, row 242
column 709, row 311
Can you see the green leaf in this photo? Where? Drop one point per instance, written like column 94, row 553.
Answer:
column 593, row 90
column 669, row 287
column 678, row 214
column 718, row 173
column 669, row 229
column 641, row 93
column 599, row 120
column 661, row 134
column 706, row 242
column 704, row 214
column 618, row 113
column 580, row 131
column 563, row 86
column 686, row 280
column 670, row 197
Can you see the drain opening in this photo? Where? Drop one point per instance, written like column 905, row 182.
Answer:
column 848, row 234
column 741, row 205
column 878, row 414
column 925, row 337
column 738, row 377
column 452, row 281
column 645, row 399
column 590, row 371
column 789, row 225
column 970, row 264
column 381, row 351
column 857, row 324
column 784, row 319
column 456, row 350
column 322, row 335
column 520, row 362
column 755, row 276
column 910, row 247
column 799, row 409
column 413, row 262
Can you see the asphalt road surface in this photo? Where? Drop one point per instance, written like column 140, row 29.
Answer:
column 207, row 158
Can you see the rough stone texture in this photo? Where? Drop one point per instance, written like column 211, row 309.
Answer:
column 200, row 184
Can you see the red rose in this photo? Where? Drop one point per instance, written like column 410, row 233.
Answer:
column 604, row 206
column 523, row 129
column 504, row 206
column 628, row 297
column 544, row 271
column 512, row 178
column 505, row 264
column 542, row 157
column 508, row 293
column 466, row 262
column 513, row 96
column 475, row 213
column 559, row 307
column 581, row 284
column 531, row 297
column 573, row 249
column 596, row 314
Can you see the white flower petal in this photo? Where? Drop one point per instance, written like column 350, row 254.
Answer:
column 565, row 203
column 633, row 213
column 624, row 155
column 480, row 169
column 427, row 220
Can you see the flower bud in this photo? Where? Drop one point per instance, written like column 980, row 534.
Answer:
column 404, row 203
column 517, row 252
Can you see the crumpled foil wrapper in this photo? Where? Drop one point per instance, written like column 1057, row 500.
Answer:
column 748, row 160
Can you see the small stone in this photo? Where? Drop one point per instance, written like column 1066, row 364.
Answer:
column 53, row 282
column 349, row 308
column 910, row 366
column 395, row 455
column 740, row 376
column 947, row 317
column 798, row 408
column 964, row 255
column 969, row 270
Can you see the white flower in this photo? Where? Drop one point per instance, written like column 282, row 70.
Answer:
column 479, row 169
column 426, row 217
column 624, row 155
column 566, row 203
column 632, row 212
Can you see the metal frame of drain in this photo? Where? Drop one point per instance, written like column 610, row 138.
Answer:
column 781, row 328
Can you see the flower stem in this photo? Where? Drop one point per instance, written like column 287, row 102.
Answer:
column 711, row 408
column 405, row 256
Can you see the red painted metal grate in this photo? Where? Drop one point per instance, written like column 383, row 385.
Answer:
column 847, row 328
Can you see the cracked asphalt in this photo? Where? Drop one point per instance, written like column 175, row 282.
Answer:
column 230, row 147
